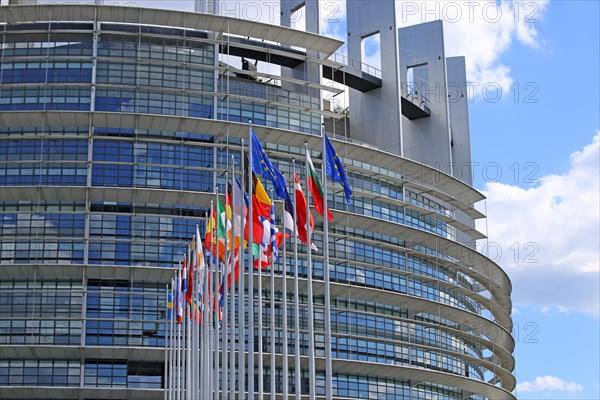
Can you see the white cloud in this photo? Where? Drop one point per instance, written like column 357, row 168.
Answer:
column 549, row 383
column 333, row 18
column 547, row 236
column 480, row 31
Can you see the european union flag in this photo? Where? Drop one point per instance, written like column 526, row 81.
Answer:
column 335, row 169
column 261, row 165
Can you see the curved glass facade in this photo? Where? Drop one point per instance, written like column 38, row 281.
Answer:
column 89, row 239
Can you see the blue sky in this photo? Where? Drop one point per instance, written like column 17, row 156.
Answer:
column 542, row 135
column 556, row 295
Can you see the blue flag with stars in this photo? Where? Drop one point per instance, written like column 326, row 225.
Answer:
column 335, row 169
column 261, row 165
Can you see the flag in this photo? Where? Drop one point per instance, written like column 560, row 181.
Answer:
column 335, row 169
column 234, row 259
column 217, row 228
column 217, row 315
column 210, row 226
column 261, row 165
column 288, row 215
column 190, row 273
column 301, row 216
column 184, row 276
column 238, row 210
column 274, row 232
column 223, row 224
column 200, row 263
column 273, row 240
column 170, row 302
column 314, row 185
column 178, row 300
column 261, row 206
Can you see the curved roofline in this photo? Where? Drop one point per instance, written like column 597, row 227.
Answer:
column 180, row 19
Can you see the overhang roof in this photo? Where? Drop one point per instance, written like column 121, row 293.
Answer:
column 162, row 17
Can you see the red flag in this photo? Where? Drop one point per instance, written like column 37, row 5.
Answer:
column 190, row 277
column 301, row 216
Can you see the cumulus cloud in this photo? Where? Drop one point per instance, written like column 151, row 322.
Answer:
column 547, row 236
column 548, row 383
column 481, row 31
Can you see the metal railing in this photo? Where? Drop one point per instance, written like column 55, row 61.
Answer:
column 410, row 93
column 357, row 65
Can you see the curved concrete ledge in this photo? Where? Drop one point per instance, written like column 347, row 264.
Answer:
column 161, row 17
column 426, row 178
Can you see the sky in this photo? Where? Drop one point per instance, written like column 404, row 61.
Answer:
column 535, row 141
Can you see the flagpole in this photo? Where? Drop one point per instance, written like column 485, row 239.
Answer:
column 173, row 344
column 186, row 347
column 224, row 277
column 215, row 290
column 327, row 300
column 197, row 369
column 210, row 324
column 250, row 275
column 206, row 317
column 272, row 325
column 260, row 326
column 178, row 352
column 184, row 353
column 296, row 300
column 201, row 263
column 187, row 319
column 284, row 355
column 241, row 299
column 311, row 327
column 171, row 347
column 232, row 293
column 192, row 325
column 201, row 343
column 191, row 280
column 166, row 358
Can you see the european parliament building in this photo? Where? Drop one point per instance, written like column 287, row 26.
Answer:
column 118, row 122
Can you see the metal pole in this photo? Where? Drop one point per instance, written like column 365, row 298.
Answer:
column 242, row 304
column 215, row 288
column 171, row 345
column 188, row 322
column 250, row 276
column 284, row 346
column 166, row 367
column 309, row 290
column 272, row 325
column 328, row 370
column 224, row 342
column 296, row 300
column 260, row 328
column 206, row 348
column 197, row 369
column 179, row 363
column 232, row 291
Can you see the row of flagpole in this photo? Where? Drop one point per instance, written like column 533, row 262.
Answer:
column 201, row 333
